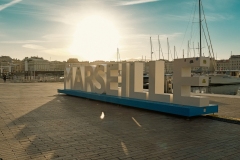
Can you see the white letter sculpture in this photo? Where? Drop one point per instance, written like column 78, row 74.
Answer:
column 89, row 86
column 113, row 79
column 100, row 79
column 125, row 79
column 119, row 80
column 68, row 78
column 79, row 78
column 182, row 81
column 156, row 82
column 136, row 81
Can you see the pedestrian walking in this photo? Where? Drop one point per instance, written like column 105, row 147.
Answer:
column 4, row 78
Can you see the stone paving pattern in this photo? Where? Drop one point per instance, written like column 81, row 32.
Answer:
column 228, row 105
column 37, row 123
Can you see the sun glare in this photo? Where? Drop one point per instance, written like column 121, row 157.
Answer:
column 96, row 38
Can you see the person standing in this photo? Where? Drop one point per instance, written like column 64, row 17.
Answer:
column 4, row 78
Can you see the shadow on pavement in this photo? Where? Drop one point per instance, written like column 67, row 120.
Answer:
column 70, row 127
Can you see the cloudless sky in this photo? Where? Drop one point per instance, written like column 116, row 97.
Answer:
column 47, row 28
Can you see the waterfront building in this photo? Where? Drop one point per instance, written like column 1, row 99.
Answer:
column 17, row 66
column 33, row 64
column 223, row 65
column 234, row 62
column 5, row 65
column 74, row 62
column 97, row 62
column 57, row 65
column 5, row 59
column 37, row 66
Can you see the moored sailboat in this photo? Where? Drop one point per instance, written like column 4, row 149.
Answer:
column 218, row 78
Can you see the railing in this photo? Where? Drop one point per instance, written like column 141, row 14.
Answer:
column 32, row 79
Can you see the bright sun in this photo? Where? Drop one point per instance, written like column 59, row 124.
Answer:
column 96, row 38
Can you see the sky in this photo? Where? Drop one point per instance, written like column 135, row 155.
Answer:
column 94, row 29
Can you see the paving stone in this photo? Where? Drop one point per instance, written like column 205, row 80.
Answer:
column 38, row 123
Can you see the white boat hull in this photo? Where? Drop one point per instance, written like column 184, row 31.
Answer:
column 223, row 80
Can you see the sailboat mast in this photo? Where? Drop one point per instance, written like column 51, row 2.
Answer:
column 200, row 28
column 193, row 49
column 117, row 54
column 159, row 46
column 151, row 47
column 174, row 52
column 168, row 48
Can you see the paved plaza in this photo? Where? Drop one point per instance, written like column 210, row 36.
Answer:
column 37, row 123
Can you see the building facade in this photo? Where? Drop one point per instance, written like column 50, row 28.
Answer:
column 38, row 65
column 233, row 63
column 29, row 66
column 5, row 65
column 74, row 62
column 223, row 65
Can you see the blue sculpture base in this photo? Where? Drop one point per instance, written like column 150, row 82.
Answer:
column 182, row 110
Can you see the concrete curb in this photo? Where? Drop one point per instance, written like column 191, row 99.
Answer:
column 224, row 119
